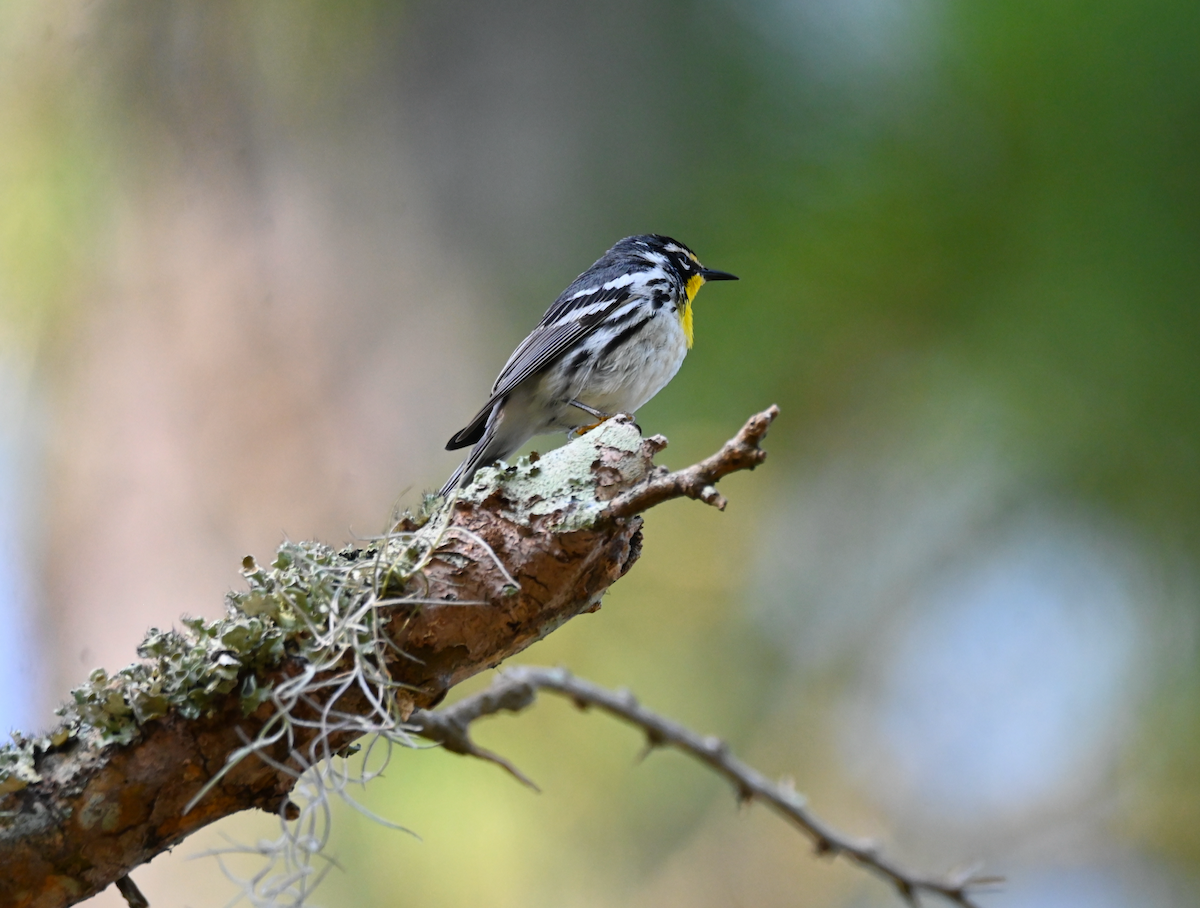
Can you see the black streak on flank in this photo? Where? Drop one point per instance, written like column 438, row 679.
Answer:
column 628, row 315
column 622, row 337
column 577, row 362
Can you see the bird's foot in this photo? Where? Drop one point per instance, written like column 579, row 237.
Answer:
column 572, row 434
column 602, row 419
column 600, row 415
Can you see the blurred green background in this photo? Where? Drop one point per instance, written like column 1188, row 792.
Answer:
column 258, row 260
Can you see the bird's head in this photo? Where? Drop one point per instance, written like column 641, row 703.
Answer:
column 678, row 265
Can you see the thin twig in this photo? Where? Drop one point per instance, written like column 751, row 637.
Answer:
column 133, row 896
column 742, row 452
column 450, row 728
column 517, row 688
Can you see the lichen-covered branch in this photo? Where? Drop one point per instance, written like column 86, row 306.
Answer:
column 321, row 648
column 517, row 688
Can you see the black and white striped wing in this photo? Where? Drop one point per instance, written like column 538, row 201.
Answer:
column 593, row 298
column 550, row 340
column 559, row 330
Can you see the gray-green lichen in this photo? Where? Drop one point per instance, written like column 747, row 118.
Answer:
column 287, row 605
column 189, row 670
column 570, row 481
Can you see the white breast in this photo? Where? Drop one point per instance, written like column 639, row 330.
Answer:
column 629, row 376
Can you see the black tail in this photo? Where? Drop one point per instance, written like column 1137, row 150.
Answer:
column 482, row 433
column 454, row 480
column 473, row 431
column 480, row 455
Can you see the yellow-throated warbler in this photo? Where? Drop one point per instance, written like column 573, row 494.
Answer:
column 610, row 342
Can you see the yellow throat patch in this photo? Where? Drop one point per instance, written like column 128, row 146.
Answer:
column 695, row 282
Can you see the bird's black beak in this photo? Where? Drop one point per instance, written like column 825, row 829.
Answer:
column 710, row 275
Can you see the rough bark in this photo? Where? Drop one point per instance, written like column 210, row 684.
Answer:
column 78, row 812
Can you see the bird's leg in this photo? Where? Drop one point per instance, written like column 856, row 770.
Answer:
column 600, row 416
column 591, row 411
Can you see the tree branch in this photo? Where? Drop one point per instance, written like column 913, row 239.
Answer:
column 742, row 452
column 324, row 647
column 516, row 689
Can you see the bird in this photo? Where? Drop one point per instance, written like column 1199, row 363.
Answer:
column 609, row 343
